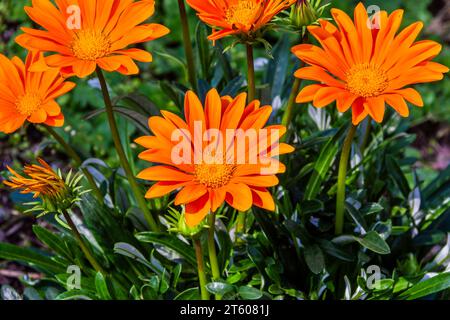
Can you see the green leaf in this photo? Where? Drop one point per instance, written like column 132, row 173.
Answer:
column 76, row 295
column 323, row 164
column 52, row 241
column 314, row 258
column 220, row 288
column 397, row 175
column 102, row 287
column 333, row 250
column 371, row 240
column 171, row 242
column 371, row 208
column 249, row 293
column 374, row 242
column 189, row 294
column 356, row 215
column 30, row 257
column 427, row 287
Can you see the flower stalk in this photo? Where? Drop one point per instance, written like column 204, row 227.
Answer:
column 187, row 43
column 287, row 116
column 122, row 156
column 88, row 254
column 342, row 175
column 212, row 250
column 200, row 268
column 251, row 73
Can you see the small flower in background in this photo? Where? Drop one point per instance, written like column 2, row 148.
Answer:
column 208, row 172
column 365, row 68
column 57, row 193
column 238, row 17
column 106, row 29
column 30, row 96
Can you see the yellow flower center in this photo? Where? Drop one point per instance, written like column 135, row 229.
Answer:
column 214, row 175
column 243, row 12
column 90, row 45
column 28, row 104
column 366, row 80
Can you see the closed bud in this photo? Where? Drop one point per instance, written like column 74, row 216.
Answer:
column 57, row 193
column 303, row 14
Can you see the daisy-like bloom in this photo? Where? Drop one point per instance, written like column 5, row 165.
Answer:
column 227, row 155
column 237, row 17
column 41, row 180
column 30, row 96
column 366, row 68
column 84, row 34
column 57, row 194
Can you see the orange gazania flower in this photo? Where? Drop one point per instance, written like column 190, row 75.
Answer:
column 29, row 96
column 209, row 173
column 366, row 68
column 237, row 16
column 41, row 180
column 85, row 34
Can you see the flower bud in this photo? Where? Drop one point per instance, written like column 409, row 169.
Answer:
column 177, row 223
column 305, row 13
column 57, row 194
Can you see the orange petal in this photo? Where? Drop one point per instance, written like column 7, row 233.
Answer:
column 190, row 193
column 397, row 102
column 263, row 199
column 307, row 93
column 238, row 196
column 197, row 211
column 164, row 173
column 163, row 188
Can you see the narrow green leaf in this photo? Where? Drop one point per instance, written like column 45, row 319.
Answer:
column 171, row 242
column 102, row 287
column 30, row 257
column 427, row 287
column 189, row 294
column 323, row 164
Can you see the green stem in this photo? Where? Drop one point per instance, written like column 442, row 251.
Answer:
column 200, row 268
column 340, row 201
column 81, row 243
column 188, row 45
column 75, row 157
column 287, row 116
column 251, row 73
column 122, row 156
column 212, row 251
